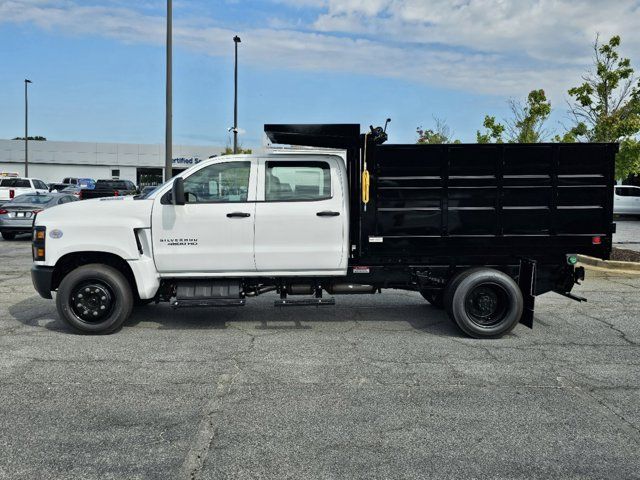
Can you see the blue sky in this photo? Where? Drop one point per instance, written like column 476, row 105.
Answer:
column 98, row 65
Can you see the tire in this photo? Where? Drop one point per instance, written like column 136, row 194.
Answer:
column 8, row 235
column 94, row 299
column 484, row 303
column 434, row 298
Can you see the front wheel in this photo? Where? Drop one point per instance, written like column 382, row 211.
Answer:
column 485, row 303
column 94, row 298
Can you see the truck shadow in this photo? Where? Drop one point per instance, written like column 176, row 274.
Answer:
column 260, row 315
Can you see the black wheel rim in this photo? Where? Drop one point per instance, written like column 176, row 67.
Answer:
column 487, row 304
column 92, row 301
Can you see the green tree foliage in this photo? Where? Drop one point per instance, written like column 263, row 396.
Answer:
column 494, row 131
column 38, row 138
column 229, row 151
column 526, row 124
column 441, row 133
column 606, row 106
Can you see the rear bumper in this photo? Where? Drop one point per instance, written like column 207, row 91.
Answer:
column 42, row 278
column 25, row 225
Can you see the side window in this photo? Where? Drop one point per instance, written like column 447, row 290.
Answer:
column 221, row 182
column 634, row 192
column 297, row 181
column 40, row 184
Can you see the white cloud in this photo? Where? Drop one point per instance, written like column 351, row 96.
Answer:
column 485, row 46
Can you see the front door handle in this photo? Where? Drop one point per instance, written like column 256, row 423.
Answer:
column 328, row 213
column 238, row 215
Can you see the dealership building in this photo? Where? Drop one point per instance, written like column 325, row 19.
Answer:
column 143, row 164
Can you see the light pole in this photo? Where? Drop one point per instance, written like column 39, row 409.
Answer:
column 26, row 128
column 168, row 140
column 236, row 41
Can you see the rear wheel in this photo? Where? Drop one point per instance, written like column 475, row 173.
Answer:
column 8, row 235
column 94, row 299
column 484, row 303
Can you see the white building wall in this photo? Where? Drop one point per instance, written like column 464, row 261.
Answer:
column 52, row 161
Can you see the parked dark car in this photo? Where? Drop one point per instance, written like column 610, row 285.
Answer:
column 17, row 216
column 109, row 188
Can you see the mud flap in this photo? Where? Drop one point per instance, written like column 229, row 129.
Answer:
column 527, row 284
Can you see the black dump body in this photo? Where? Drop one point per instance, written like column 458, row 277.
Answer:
column 471, row 204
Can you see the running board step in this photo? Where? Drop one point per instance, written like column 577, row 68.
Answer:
column 209, row 302
column 306, row 302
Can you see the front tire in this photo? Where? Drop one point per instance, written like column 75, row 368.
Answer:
column 484, row 303
column 94, row 299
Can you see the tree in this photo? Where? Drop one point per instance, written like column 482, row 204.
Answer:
column 526, row 124
column 606, row 106
column 440, row 134
column 38, row 138
column 493, row 133
column 229, row 151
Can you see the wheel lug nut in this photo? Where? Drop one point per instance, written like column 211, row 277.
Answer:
column 101, row 307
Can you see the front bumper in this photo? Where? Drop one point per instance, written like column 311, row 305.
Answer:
column 42, row 278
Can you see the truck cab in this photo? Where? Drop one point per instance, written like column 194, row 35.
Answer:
column 479, row 230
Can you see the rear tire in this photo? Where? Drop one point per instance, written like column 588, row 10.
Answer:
column 434, row 298
column 484, row 303
column 8, row 235
column 94, row 299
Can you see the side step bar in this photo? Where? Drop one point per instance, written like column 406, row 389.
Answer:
column 209, row 302
column 305, row 302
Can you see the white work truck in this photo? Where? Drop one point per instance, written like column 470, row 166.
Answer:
column 448, row 221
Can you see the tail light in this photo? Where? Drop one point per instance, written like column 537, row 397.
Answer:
column 80, row 195
column 3, row 211
column 116, row 193
column 12, row 194
column 596, row 240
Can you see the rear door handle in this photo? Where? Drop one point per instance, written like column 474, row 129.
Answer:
column 328, row 213
column 238, row 215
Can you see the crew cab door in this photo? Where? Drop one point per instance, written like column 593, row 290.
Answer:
column 213, row 232
column 301, row 216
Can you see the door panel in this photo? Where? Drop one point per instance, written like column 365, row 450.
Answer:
column 301, row 217
column 214, row 231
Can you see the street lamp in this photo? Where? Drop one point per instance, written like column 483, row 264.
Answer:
column 26, row 128
column 168, row 154
column 236, row 41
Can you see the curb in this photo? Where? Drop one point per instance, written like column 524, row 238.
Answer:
column 613, row 265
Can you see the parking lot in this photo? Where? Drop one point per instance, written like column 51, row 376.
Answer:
column 376, row 387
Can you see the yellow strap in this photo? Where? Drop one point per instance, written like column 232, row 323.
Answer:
column 365, row 187
column 365, row 174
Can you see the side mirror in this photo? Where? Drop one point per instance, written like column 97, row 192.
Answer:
column 177, row 191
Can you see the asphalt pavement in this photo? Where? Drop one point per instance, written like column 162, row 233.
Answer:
column 378, row 386
column 627, row 234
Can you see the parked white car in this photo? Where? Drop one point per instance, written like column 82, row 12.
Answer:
column 10, row 188
column 626, row 200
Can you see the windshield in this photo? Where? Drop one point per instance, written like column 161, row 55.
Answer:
column 32, row 199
